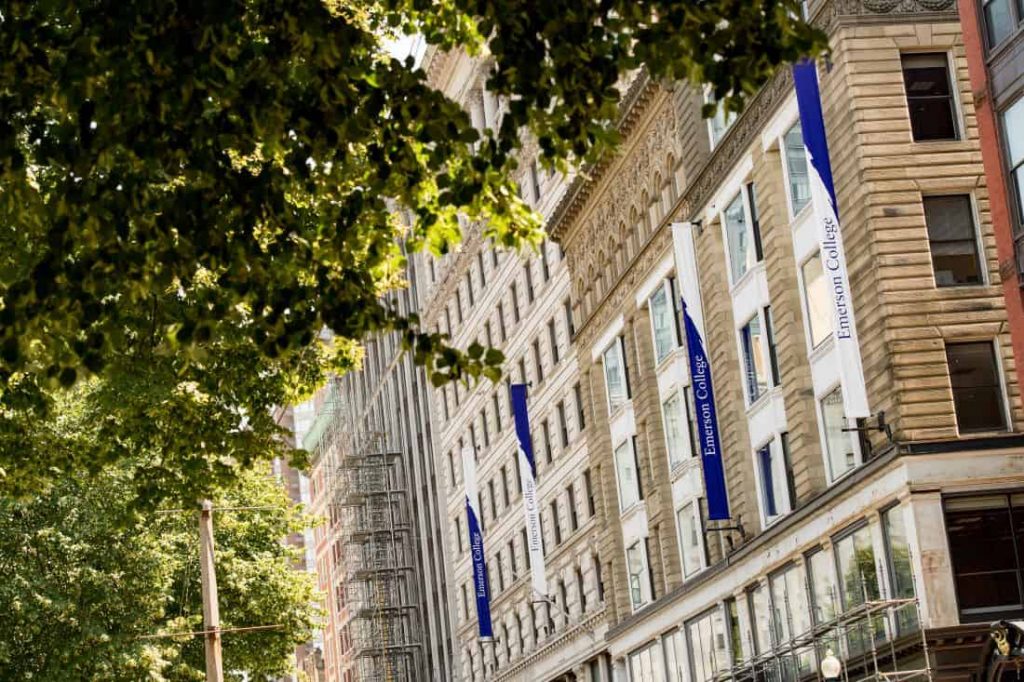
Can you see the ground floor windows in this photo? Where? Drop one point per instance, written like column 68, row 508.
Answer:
column 709, row 654
column 986, row 546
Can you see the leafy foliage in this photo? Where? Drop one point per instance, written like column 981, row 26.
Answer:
column 88, row 581
column 191, row 191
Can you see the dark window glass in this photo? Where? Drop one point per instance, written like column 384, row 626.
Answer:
column 755, row 222
column 977, row 394
column 952, row 240
column 984, row 537
column 773, row 355
column 999, row 21
column 930, row 97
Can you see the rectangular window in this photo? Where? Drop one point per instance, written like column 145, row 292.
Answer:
column 901, row 574
column 488, row 336
column 451, row 469
column 817, row 302
column 501, row 322
column 526, row 548
column 691, row 541
column 858, row 583
column 663, row 322
column 953, row 240
column 480, row 268
column 538, row 362
column 615, row 375
column 496, row 408
column 636, row 567
column 760, row 618
column 563, row 425
column 528, row 275
column 458, row 532
column 796, row 169
column 500, row 573
column 1013, row 131
column 626, row 469
column 545, row 431
column 458, row 304
column 469, row 287
column 493, row 498
column 977, row 391
column 545, row 268
column 738, row 238
column 556, row 525
column 823, row 586
column 930, row 96
column 753, row 354
column 677, row 440
column 504, row 485
column 772, row 478
column 588, row 490
column 720, row 123
column 839, row 444
column 773, row 355
column 646, row 665
column 553, row 342
column 515, row 303
column 732, row 618
column 581, row 415
column 986, row 535
column 791, row 617
column 755, row 221
column 567, row 309
column 522, row 370
column 708, row 646
column 574, row 519
column 535, row 181
column 485, row 427
column 519, row 480
column 512, row 559
column 999, row 20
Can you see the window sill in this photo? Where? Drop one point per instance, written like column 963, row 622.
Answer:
column 758, row 266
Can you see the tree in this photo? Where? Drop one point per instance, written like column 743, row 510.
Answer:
column 208, row 185
column 88, row 582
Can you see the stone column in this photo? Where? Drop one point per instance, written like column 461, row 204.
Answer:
column 933, row 571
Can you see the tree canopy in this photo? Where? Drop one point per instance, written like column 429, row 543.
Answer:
column 191, row 191
column 92, row 589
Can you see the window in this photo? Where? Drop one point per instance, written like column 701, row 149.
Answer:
column 534, row 181
column 839, row 444
column 588, row 490
column 465, row 606
column 663, row 322
column 930, row 96
column 796, row 169
column 581, row 415
column 953, row 240
column 545, row 268
column 691, row 541
column 496, row 408
column 500, row 573
column 501, row 322
column 569, row 326
column 458, row 304
column 677, row 440
column 538, row 363
column 901, row 574
column 977, row 392
column 581, row 596
column 480, row 268
column 546, row 435
column 493, row 498
column 738, row 238
column 647, row 664
column 519, row 480
column 708, row 646
column 574, row 519
column 769, row 335
column 753, row 354
column 598, row 578
column 791, row 617
column 515, row 303
column 616, row 382
column 526, row 547
column 563, row 425
column 494, row 256
column 985, row 537
column 451, row 469
column 553, row 342
column 760, row 618
column 458, row 532
column 720, row 123
column 858, row 583
column 823, row 586
column 773, row 479
column 1013, row 129
column 528, row 275
column 732, row 618
column 556, row 525
column 469, row 287
column 512, row 559
column 626, row 469
column 818, row 305
column 485, row 427
column 522, row 370
column 636, row 568
column 999, row 20
column 504, row 485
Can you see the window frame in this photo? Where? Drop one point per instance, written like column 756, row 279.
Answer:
column 702, row 550
column 1005, row 410
column 976, row 239
column 678, row 394
column 747, row 352
column 667, row 289
column 858, row 458
column 744, row 194
column 644, row 575
column 805, row 304
column 630, row 444
column 956, row 108
column 618, row 346
column 788, row 177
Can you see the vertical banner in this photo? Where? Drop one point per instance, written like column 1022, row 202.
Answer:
column 528, row 478
column 700, row 374
column 481, row 587
column 833, row 256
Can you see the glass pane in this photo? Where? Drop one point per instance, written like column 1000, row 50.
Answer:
column 741, row 251
column 689, row 539
column 615, row 375
column 823, row 587
column 950, row 222
column 985, row 566
column 663, row 322
column 677, row 440
column 819, row 305
column 635, row 567
column 977, row 393
column 768, row 486
column 929, row 97
column 796, row 169
column 998, row 21
column 900, row 570
column 855, row 556
column 625, row 465
column 760, row 614
column 753, row 359
column 1013, row 126
column 839, row 443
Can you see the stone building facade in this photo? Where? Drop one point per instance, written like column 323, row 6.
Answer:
column 854, row 536
column 519, row 303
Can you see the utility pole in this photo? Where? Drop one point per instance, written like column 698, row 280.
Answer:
column 211, row 611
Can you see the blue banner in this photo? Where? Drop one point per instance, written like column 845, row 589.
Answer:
column 707, row 422
column 528, row 482
column 481, row 586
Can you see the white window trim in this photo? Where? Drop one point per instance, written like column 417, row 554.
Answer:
column 628, row 441
column 677, row 342
column 858, row 456
column 812, row 350
column 775, row 445
column 702, row 553
column 660, row 273
column 797, row 216
column 679, row 393
column 736, row 282
column 766, row 359
column 954, row 87
column 615, row 409
column 645, row 582
column 611, row 332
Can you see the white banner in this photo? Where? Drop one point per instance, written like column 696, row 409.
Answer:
column 528, row 479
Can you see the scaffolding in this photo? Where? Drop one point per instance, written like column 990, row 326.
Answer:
column 367, row 494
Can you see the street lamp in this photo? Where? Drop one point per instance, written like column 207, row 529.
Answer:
column 831, row 668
